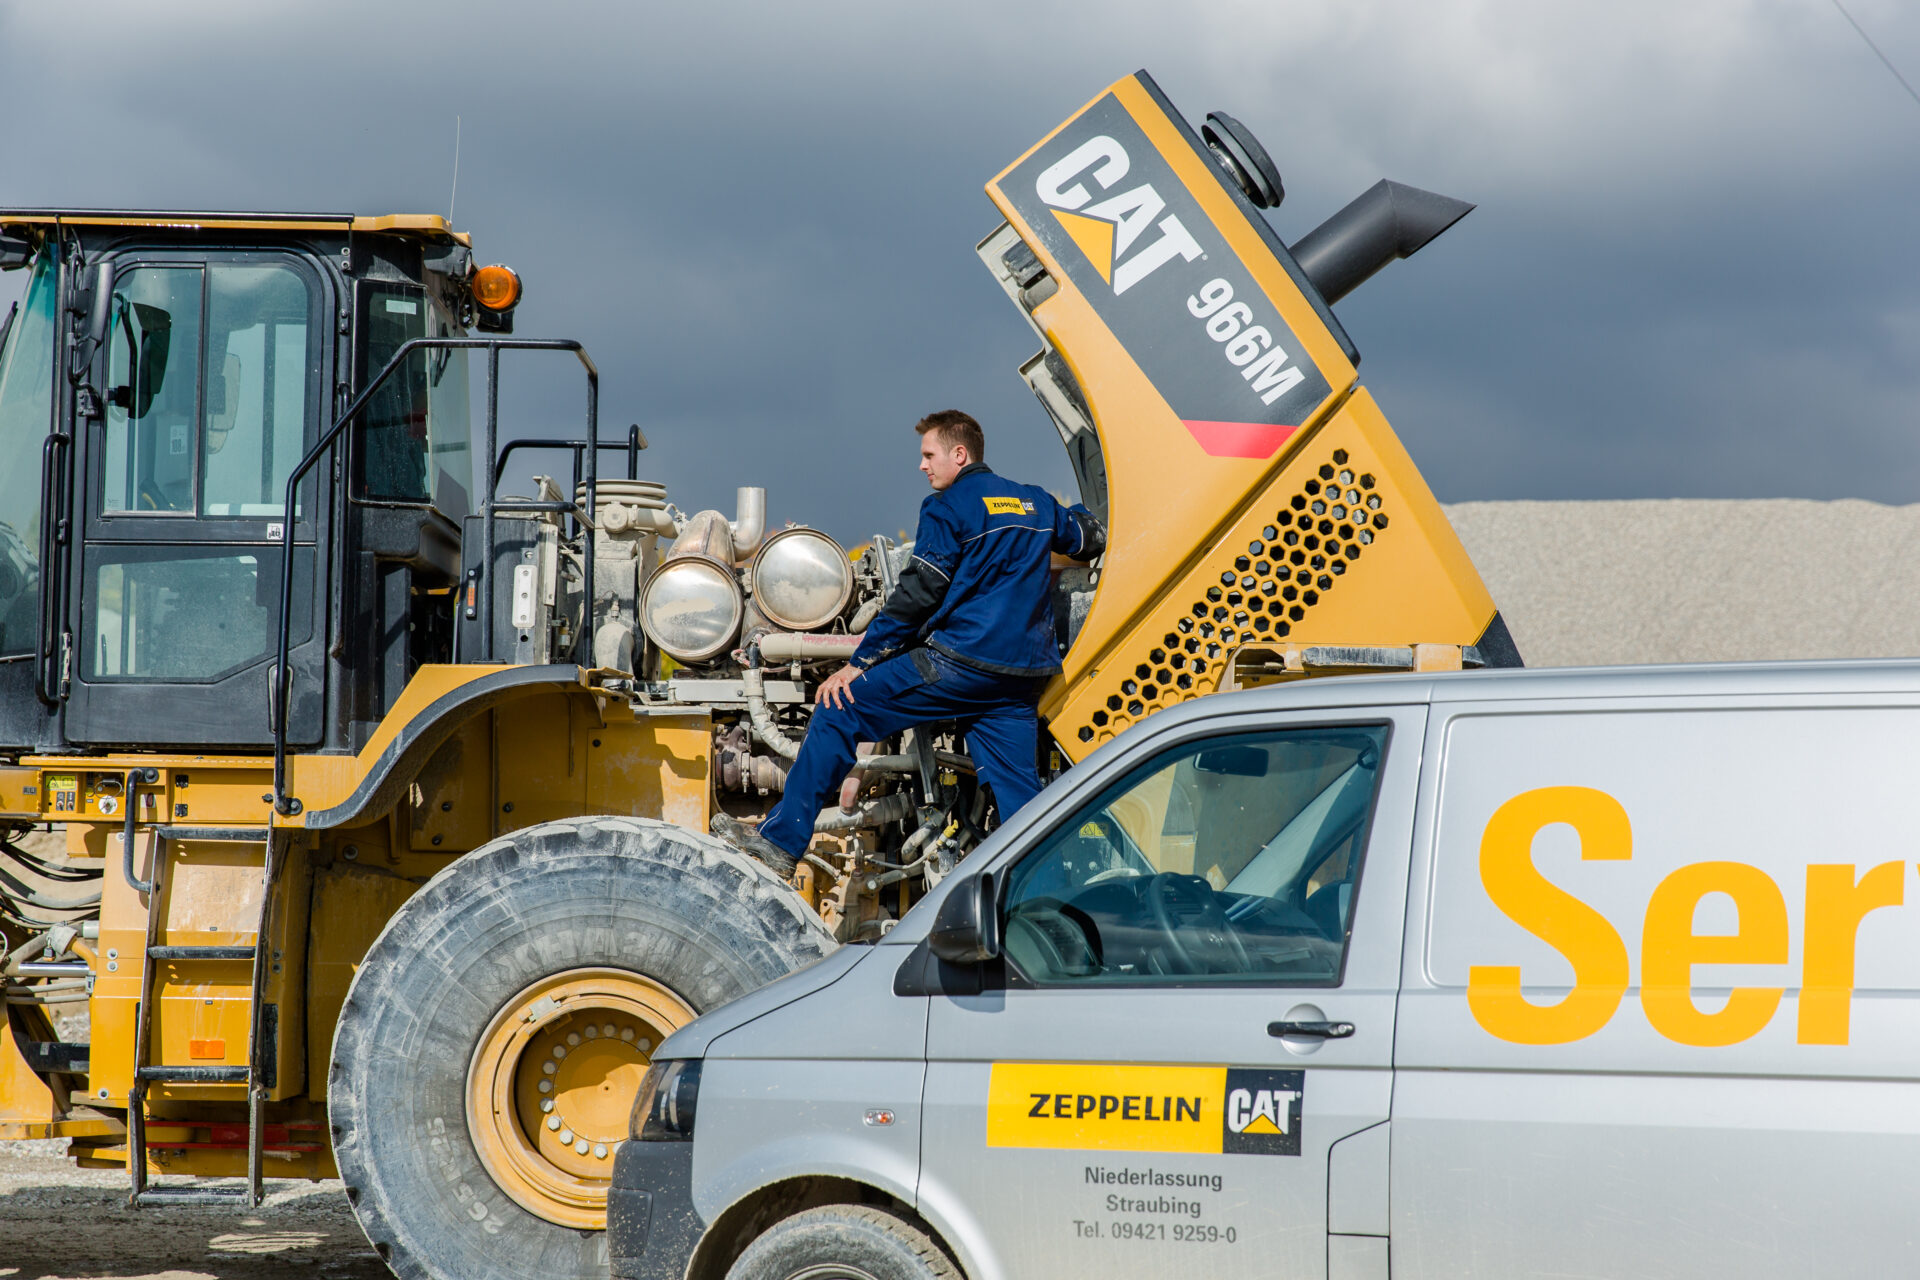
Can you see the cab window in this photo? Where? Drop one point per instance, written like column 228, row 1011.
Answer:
column 185, row 613
column 1235, row 859
column 209, row 376
column 26, row 415
column 416, row 438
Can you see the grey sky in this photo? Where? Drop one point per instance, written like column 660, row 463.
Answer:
column 1691, row 272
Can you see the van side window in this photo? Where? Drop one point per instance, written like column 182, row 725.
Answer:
column 1235, row 859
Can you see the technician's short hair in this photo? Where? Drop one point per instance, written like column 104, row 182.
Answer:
column 952, row 427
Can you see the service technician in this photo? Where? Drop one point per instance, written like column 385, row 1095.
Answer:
column 967, row 634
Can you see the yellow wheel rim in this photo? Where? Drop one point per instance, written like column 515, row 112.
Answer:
column 550, row 1091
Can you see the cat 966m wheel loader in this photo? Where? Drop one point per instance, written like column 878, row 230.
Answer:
column 385, row 796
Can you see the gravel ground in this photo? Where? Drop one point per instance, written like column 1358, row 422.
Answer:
column 62, row 1223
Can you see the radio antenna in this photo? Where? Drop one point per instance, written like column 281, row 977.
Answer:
column 451, row 195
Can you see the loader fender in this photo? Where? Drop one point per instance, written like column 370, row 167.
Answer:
column 487, row 1057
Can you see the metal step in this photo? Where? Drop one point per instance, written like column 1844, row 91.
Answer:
column 234, row 835
column 193, row 1075
column 172, row 1194
column 200, row 953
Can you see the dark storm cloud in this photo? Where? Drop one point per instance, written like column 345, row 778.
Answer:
column 1689, row 272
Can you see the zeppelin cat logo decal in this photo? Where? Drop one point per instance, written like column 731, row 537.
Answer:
column 1125, row 1107
column 1108, row 206
column 1007, row 506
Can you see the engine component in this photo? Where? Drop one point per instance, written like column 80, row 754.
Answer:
column 782, row 646
column 630, row 506
column 765, row 728
column 628, row 517
column 895, row 806
column 801, row 579
column 749, row 523
column 692, row 606
column 736, row 768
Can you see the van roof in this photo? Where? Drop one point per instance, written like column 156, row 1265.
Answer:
column 424, row 226
column 1796, row 679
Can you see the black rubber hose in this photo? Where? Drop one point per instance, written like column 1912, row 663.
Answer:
column 126, row 849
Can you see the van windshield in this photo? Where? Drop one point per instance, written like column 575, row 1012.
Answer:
column 26, row 416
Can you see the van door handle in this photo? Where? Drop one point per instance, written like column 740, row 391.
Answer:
column 1322, row 1030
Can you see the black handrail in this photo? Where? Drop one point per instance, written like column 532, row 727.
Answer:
column 633, row 444
column 282, row 681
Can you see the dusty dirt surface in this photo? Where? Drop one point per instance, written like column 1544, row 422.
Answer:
column 62, row 1223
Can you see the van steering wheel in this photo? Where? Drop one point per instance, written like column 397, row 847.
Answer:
column 1211, row 945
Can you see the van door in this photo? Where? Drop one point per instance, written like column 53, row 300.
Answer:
column 1198, row 1003
column 1664, row 1020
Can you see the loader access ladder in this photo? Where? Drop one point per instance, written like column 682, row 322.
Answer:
column 257, row 1073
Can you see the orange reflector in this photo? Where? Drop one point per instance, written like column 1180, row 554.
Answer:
column 207, row 1049
column 496, row 288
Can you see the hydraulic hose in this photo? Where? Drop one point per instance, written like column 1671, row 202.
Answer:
column 753, row 679
column 893, row 807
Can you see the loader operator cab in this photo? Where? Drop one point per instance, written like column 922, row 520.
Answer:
column 160, row 380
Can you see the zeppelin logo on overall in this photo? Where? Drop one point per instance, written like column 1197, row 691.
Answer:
column 1099, row 1107
column 1007, row 506
column 1105, row 202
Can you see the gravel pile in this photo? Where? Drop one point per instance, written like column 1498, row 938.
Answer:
column 1677, row 580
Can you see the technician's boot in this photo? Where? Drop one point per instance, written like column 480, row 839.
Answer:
column 754, row 845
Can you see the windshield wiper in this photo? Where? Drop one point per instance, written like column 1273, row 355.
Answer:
column 6, row 327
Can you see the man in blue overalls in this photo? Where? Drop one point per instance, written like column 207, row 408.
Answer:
column 966, row 635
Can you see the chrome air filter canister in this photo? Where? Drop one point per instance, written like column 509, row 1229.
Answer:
column 801, row 579
column 692, row 608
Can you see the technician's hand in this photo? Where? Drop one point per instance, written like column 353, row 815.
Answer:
column 837, row 687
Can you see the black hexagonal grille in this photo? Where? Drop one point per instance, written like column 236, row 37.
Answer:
column 1258, row 591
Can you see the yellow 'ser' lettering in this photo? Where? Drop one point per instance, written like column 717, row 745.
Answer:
column 1835, row 907
column 1550, row 913
column 1669, row 948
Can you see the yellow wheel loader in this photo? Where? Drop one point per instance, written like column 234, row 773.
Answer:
column 385, row 793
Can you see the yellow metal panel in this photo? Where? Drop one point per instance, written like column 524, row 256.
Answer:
column 540, row 759
column 1409, row 583
column 450, row 806
column 1168, row 497
column 651, row 767
column 1198, row 176
column 19, row 793
column 351, row 905
column 116, row 985
column 423, row 225
column 322, row 782
column 210, row 790
column 180, row 222
column 212, row 898
column 222, row 796
column 83, row 1126
column 27, row 1105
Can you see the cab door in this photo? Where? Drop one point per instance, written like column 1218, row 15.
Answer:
column 1200, row 960
column 212, row 377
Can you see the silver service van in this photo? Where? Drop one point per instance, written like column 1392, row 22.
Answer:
column 1570, row 974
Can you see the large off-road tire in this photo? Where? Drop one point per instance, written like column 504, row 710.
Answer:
column 844, row 1242
column 491, row 1045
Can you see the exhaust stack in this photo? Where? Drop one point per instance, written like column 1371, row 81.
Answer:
column 1389, row 220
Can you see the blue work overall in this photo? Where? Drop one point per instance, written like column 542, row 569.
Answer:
column 967, row 634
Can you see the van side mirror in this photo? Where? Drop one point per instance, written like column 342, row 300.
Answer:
column 967, row 928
